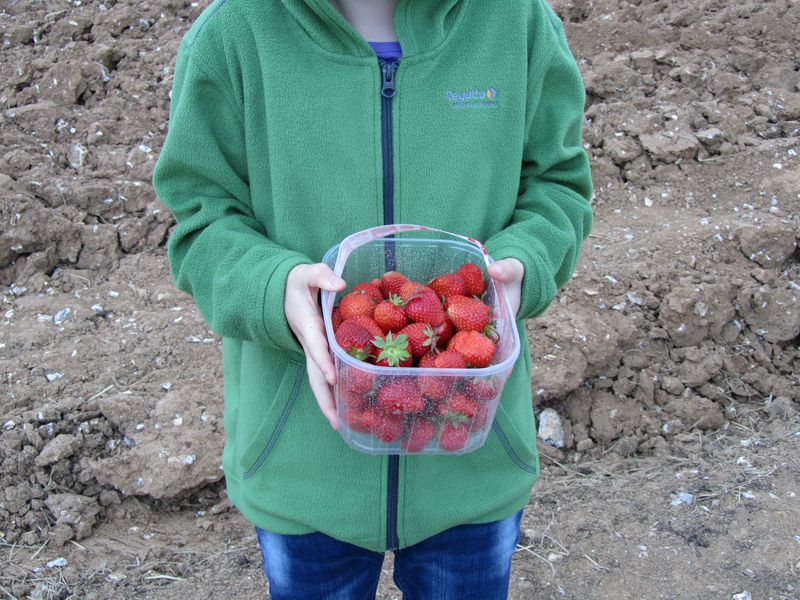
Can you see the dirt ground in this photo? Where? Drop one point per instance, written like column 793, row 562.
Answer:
column 670, row 361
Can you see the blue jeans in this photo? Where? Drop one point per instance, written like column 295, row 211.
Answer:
column 469, row 561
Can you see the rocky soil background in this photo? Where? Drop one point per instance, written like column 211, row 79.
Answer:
column 666, row 373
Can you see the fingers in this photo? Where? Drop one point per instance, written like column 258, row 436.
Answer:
column 323, row 393
column 321, row 276
column 304, row 317
column 507, row 270
column 316, row 346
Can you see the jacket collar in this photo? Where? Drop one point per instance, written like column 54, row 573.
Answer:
column 421, row 25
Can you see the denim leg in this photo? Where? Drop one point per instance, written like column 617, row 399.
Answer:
column 317, row 567
column 465, row 562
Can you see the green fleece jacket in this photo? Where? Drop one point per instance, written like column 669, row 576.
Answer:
column 275, row 153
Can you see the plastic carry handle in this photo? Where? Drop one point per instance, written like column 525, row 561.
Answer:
column 360, row 238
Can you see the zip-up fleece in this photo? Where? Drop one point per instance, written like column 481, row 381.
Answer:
column 275, row 153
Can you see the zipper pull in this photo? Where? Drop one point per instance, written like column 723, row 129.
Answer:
column 388, row 88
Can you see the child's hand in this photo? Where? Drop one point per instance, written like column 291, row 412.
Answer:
column 305, row 320
column 510, row 272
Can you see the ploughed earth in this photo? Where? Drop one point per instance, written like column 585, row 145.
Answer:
column 666, row 372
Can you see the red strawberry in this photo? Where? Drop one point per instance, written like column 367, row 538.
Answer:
column 469, row 314
column 354, row 401
column 358, row 381
column 449, row 284
column 400, row 397
column 419, row 432
column 354, row 339
column 435, row 387
column 390, row 315
column 388, row 428
column 438, row 388
column 409, row 288
column 369, row 288
column 391, row 281
column 445, row 331
column 453, row 300
column 392, row 351
column 481, row 417
column 462, row 408
column 362, row 420
column 356, row 303
column 425, row 307
column 426, row 361
column 450, row 359
column 473, row 279
column 336, row 318
column 477, row 349
column 421, row 338
column 367, row 323
column 454, row 436
column 435, row 408
column 482, row 389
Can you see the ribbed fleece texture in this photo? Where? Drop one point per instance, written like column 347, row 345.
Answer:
column 274, row 155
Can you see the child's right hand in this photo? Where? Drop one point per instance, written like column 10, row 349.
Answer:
column 305, row 320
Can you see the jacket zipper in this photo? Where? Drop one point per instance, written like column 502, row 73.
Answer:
column 388, row 91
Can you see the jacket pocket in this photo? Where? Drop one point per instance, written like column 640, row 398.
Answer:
column 517, row 434
column 260, row 428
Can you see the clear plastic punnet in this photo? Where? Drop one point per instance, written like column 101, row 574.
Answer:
column 421, row 254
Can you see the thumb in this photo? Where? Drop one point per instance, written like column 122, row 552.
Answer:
column 325, row 279
column 500, row 271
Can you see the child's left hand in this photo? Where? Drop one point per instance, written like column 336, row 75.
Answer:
column 510, row 272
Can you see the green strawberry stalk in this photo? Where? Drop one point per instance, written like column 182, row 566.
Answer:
column 393, row 351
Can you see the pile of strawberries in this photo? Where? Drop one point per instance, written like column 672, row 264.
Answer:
column 393, row 321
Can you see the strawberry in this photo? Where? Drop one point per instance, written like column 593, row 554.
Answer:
column 469, row 314
column 362, row 420
column 482, row 389
column 473, row 279
column 435, row 387
column 393, row 351
column 409, row 288
column 389, row 314
column 421, row 338
column 391, row 281
column 435, row 408
column 477, row 349
column 367, row 323
column 336, row 318
column 400, row 397
column 449, row 284
column 418, row 434
column 438, row 388
column 353, row 401
column 354, row 339
column 481, row 417
column 454, row 436
column 425, row 307
column 426, row 361
column 445, row 331
column 388, row 428
column 449, row 359
column 358, row 381
column 370, row 289
column 356, row 303
column 462, row 407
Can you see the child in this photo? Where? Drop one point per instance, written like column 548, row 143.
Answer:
column 289, row 131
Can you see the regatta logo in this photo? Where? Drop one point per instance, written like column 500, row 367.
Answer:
column 474, row 98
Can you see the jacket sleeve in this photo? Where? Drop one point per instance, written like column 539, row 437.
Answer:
column 219, row 253
column 553, row 215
